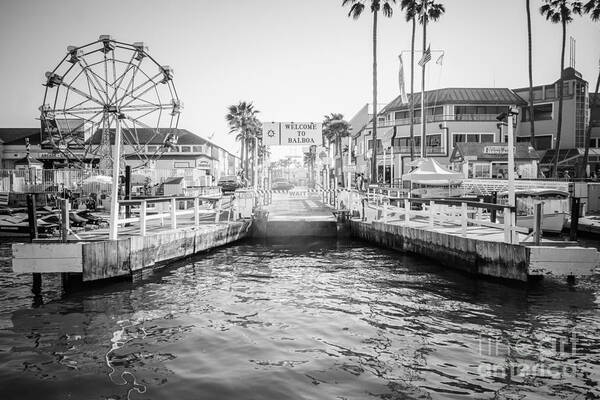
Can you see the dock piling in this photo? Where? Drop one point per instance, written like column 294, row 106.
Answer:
column 575, row 202
column 64, row 214
column 32, row 217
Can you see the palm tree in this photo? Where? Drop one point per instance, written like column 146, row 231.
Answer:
column 334, row 129
column 411, row 10
column 427, row 10
column 560, row 11
column 310, row 158
column 356, row 9
column 243, row 121
column 531, row 116
column 592, row 7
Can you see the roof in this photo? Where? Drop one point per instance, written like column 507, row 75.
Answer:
column 150, row 136
column 12, row 136
column 492, row 151
column 460, row 96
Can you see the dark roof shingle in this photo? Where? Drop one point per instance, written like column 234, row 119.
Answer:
column 493, row 96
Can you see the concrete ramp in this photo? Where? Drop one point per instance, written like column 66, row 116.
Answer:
column 290, row 216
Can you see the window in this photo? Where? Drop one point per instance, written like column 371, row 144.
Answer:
column 550, row 92
column 186, row 149
column 543, row 142
column 541, row 112
column 181, row 164
column 197, row 149
column 151, row 149
column 401, row 115
column 434, row 143
column 481, row 170
column 472, row 138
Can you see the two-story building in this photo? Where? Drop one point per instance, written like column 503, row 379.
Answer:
column 452, row 115
column 469, row 115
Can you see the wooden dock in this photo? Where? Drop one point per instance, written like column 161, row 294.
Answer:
column 455, row 234
column 183, row 227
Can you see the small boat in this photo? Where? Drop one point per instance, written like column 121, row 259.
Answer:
column 555, row 208
column 17, row 226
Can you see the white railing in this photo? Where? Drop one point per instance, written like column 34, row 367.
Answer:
column 172, row 209
column 443, row 212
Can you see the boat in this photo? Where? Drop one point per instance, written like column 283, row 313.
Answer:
column 17, row 226
column 555, row 208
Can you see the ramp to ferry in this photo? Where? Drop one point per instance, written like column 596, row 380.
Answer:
column 296, row 213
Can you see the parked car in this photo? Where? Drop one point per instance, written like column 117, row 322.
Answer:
column 282, row 185
column 229, row 183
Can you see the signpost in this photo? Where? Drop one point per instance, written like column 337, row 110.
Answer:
column 292, row 133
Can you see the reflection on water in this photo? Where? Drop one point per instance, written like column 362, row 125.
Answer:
column 310, row 319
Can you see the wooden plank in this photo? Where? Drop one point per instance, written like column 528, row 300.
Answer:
column 46, row 257
column 46, row 250
column 41, row 265
column 105, row 259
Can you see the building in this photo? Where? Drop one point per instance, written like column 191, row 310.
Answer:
column 489, row 160
column 453, row 115
column 185, row 151
column 469, row 115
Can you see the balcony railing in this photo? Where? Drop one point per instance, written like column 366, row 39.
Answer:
column 439, row 118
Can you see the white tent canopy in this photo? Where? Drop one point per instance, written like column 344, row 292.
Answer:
column 430, row 172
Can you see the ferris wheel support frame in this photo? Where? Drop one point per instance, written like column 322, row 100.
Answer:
column 114, row 198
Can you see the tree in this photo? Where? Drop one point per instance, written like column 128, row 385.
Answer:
column 310, row 158
column 334, row 129
column 356, row 9
column 427, row 10
column 531, row 114
column 560, row 12
column 410, row 7
column 592, row 8
column 243, row 121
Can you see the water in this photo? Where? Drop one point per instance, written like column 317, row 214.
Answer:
column 307, row 320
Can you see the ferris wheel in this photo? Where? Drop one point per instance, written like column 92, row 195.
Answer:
column 105, row 90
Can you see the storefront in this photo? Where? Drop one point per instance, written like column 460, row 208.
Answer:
column 490, row 160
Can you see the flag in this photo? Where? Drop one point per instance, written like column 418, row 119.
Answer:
column 440, row 59
column 401, row 81
column 426, row 57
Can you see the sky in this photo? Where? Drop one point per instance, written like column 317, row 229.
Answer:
column 295, row 60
